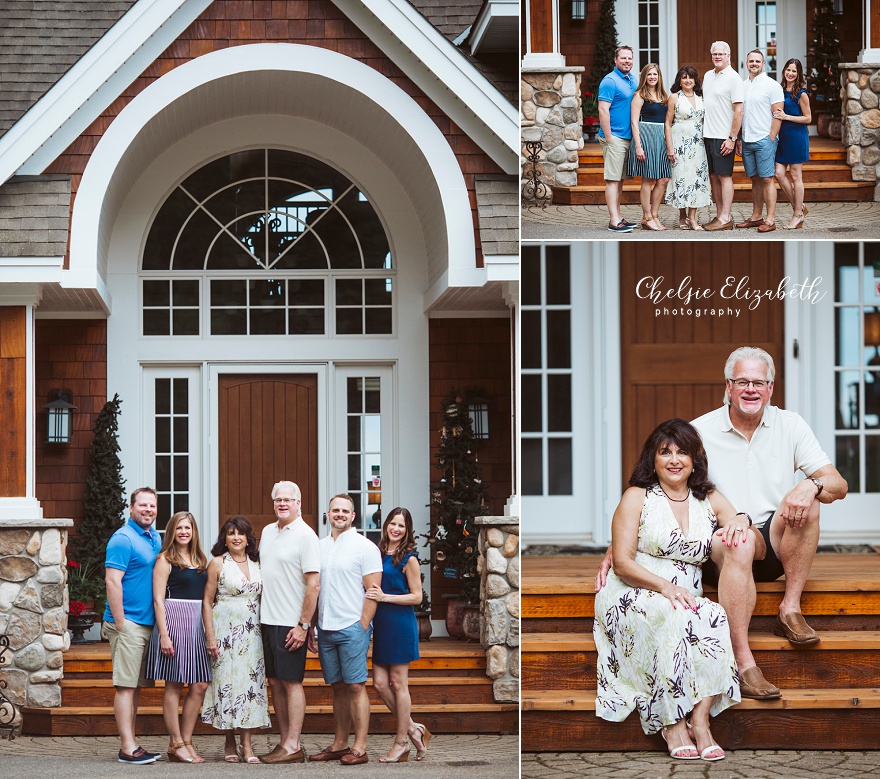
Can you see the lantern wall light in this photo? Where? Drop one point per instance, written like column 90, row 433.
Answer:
column 59, row 412
column 578, row 10
column 478, row 411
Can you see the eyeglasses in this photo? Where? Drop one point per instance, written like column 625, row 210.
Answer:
column 286, row 500
column 720, row 54
column 744, row 383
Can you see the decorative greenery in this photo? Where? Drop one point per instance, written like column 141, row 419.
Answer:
column 84, row 583
column 606, row 43
column 824, row 58
column 104, row 500
column 458, row 498
column 590, row 108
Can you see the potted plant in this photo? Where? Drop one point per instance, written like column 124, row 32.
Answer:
column 423, row 614
column 85, row 585
column 590, row 110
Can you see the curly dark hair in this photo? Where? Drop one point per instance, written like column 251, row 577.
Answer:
column 687, row 70
column 243, row 526
column 685, row 436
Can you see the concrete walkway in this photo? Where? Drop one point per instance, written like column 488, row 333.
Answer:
column 741, row 763
column 89, row 757
column 829, row 221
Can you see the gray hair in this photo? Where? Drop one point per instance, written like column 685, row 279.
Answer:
column 724, row 44
column 746, row 353
column 287, row 485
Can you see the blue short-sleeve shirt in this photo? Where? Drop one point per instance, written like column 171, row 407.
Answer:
column 618, row 89
column 134, row 550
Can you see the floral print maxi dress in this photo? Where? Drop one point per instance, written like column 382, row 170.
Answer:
column 689, row 185
column 237, row 695
column 653, row 658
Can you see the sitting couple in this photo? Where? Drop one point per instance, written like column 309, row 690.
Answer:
column 663, row 649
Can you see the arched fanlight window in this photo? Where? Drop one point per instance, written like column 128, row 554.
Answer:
column 274, row 241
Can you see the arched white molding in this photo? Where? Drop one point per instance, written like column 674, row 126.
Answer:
column 281, row 79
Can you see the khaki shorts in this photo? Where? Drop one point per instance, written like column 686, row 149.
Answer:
column 128, row 653
column 614, row 151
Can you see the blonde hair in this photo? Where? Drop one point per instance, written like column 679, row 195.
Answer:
column 170, row 550
column 643, row 89
column 746, row 353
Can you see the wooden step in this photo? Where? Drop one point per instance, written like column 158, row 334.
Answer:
column 79, row 692
column 820, row 149
column 802, row 719
column 499, row 718
column 844, row 659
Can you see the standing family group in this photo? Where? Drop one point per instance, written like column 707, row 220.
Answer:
column 224, row 628
column 683, row 144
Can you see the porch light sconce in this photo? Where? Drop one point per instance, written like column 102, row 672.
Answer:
column 837, row 7
column 478, row 411
column 578, row 10
column 59, row 416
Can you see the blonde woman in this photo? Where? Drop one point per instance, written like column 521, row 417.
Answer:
column 177, row 651
column 647, row 153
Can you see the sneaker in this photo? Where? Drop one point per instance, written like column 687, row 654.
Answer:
column 139, row 757
column 629, row 224
column 621, row 227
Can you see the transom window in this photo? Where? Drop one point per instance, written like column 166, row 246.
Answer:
column 267, row 242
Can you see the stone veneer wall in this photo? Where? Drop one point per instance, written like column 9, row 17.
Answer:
column 499, row 603
column 860, row 97
column 550, row 112
column 33, row 609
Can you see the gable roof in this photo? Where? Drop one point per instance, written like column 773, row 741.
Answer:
column 41, row 41
column 58, row 101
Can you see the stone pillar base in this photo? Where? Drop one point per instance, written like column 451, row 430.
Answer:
column 860, row 120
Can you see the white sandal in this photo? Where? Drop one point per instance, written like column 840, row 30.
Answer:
column 676, row 751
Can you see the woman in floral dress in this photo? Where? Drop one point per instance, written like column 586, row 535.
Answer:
column 231, row 611
column 663, row 649
column 689, row 186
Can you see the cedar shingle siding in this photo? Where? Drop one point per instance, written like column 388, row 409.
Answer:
column 34, row 213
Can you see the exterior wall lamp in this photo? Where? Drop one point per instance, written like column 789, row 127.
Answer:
column 59, row 416
column 478, row 411
column 578, row 10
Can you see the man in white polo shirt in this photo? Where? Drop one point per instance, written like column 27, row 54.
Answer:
column 754, row 450
column 350, row 565
column 290, row 563
column 759, row 136
column 722, row 99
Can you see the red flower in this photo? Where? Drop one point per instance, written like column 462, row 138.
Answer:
column 590, row 120
column 72, row 564
column 76, row 607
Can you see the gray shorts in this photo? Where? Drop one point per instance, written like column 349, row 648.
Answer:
column 343, row 654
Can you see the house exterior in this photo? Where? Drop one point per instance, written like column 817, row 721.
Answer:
column 618, row 337
column 280, row 231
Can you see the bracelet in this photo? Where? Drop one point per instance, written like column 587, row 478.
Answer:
column 743, row 514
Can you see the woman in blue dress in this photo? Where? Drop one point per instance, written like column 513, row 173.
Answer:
column 396, row 633
column 794, row 139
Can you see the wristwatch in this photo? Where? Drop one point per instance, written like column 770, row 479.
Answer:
column 818, row 483
column 305, row 626
column 731, row 138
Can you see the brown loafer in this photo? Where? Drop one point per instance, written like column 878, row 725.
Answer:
column 719, row 225
column 327, row 753
column 712, row 221
column 750, row 223
column 283, row 757
column 354, row 758
column 752, row 684
column 767, row 227
column 795, row 628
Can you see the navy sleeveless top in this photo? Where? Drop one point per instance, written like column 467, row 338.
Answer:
column 653, row 112
column 186, row 583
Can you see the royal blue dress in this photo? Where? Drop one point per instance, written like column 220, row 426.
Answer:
column 794, row 138
column 395, row 631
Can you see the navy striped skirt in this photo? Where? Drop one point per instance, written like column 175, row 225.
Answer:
column 187, row 632
column 656, row 164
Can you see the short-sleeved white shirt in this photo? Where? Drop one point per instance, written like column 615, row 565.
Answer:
column 755, row 475
column 344, row 563
column 286, row 556
column 760, row 93
column 720, row 92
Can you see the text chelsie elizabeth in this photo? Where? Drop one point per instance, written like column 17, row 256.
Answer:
column 689, row 300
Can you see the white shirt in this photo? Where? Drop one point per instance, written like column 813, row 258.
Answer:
column 344, row 563
column 286, row 556
column 760, row 93
column 755, row 475
column 720, row 92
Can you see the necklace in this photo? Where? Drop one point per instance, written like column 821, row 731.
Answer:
column 243, row 559
column 677, row 500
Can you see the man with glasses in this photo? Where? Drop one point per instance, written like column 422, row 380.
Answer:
column 616, row 92
column 723, row 101
column 754, row 450
column 290, row 561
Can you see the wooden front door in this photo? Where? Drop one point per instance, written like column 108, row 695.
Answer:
column 700, row 24
column 673, row 366
column 268, row 433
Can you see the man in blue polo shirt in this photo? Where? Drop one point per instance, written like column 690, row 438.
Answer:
column 129, row 616
column 615, row 132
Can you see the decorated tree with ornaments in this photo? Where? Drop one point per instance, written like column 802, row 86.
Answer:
column 824, row 58
column 458, row 497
